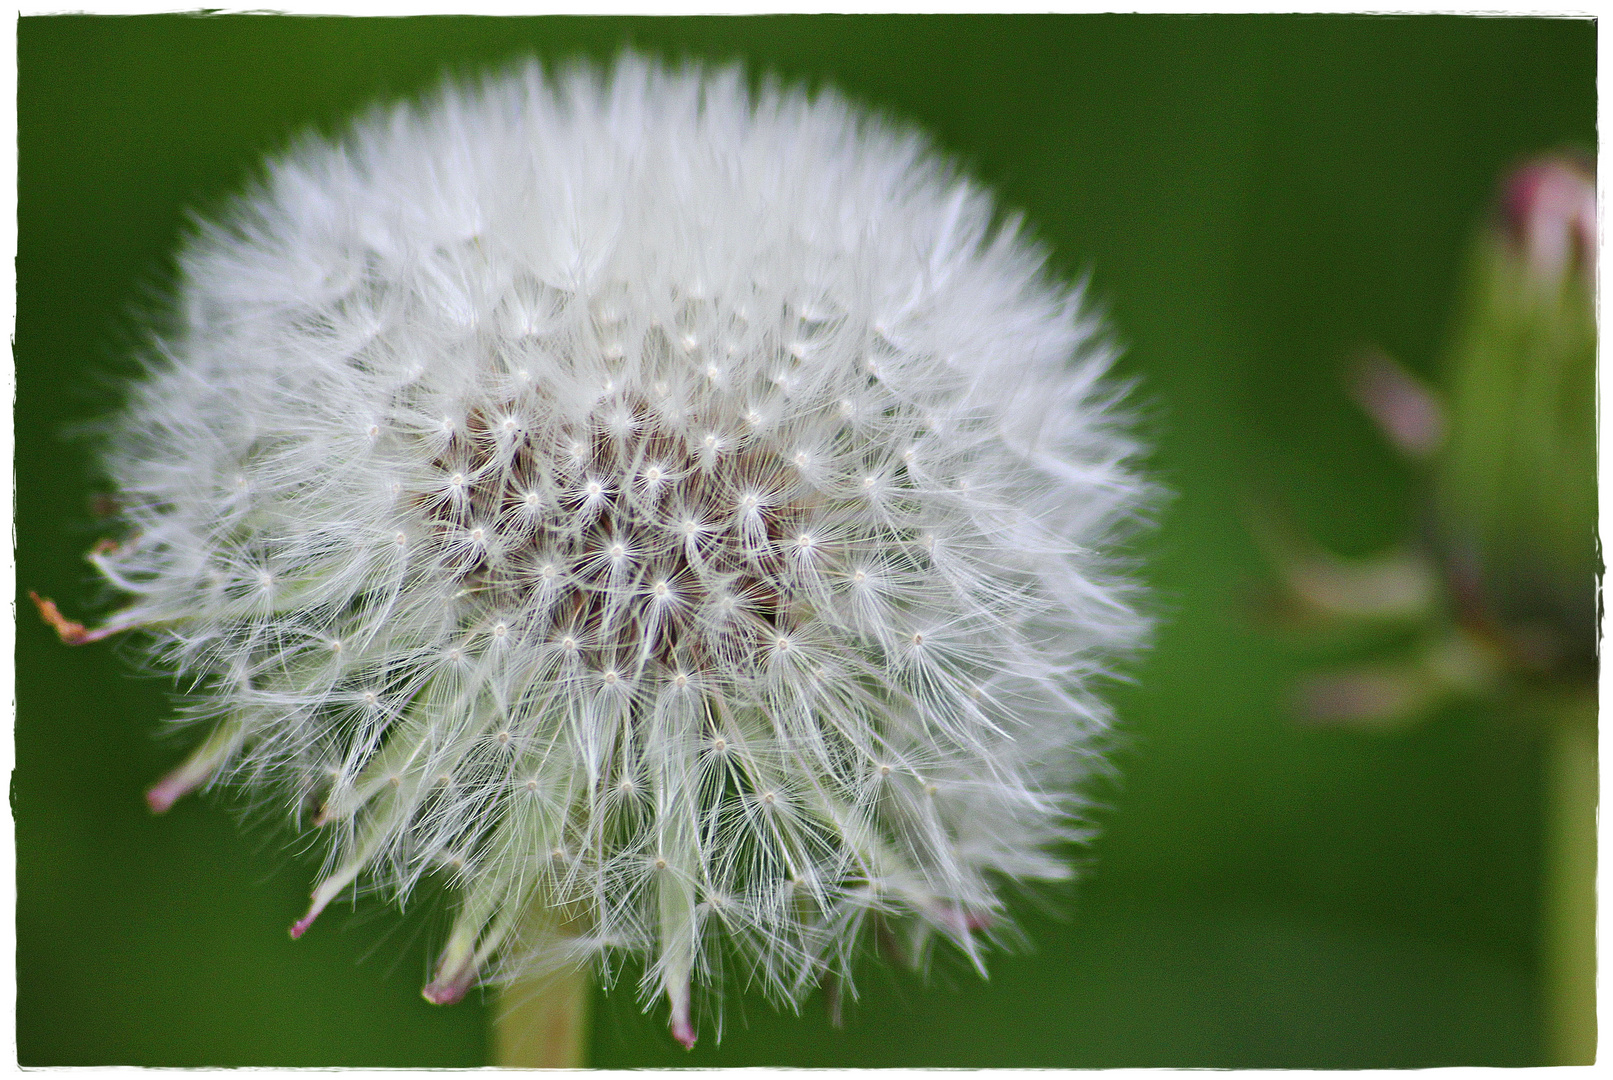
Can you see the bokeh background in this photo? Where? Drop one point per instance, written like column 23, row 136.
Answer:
column 1254, row 198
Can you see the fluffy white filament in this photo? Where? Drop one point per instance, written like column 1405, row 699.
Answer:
column 676, row 516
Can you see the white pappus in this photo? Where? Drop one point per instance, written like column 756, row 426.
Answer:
column 679, row 518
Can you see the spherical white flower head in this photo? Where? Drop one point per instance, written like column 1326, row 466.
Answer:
column 674, row 516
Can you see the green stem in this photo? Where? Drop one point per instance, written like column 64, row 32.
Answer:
column 1570, row 915
column 543, row 1023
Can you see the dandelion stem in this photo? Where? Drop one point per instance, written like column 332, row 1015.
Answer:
column 543, row 1023
column 1570, row 923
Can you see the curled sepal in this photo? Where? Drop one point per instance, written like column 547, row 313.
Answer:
column 1390, row 693
column 1410, row 413
column 388, row 814
column 508, row 896
column 1400, row 585
column 457, row 968
column 681, row 1026
column 325, row 892
column 73, row 633
column 456, row 971
column 198, row 769
column 680, row 930
column 462, row 957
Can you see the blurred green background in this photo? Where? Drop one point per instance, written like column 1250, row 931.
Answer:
column 1254, row 197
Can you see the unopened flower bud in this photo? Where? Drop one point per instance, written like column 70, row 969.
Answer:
column 1515, row 486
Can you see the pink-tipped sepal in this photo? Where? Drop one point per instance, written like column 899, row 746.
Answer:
column 682, row 1028
column 455, row 975
column 449, row 989
column 202, row 765
column 327, row 891
column 170, row 789
column 1409, row 413
column 300, row 927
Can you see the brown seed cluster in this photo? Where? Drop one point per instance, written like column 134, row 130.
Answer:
column 635, row 544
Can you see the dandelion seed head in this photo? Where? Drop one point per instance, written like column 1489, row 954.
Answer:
column 668, row 543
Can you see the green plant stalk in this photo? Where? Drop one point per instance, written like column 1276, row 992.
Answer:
column 543, row 1023
column 1570, row 902
column 1516, row 501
